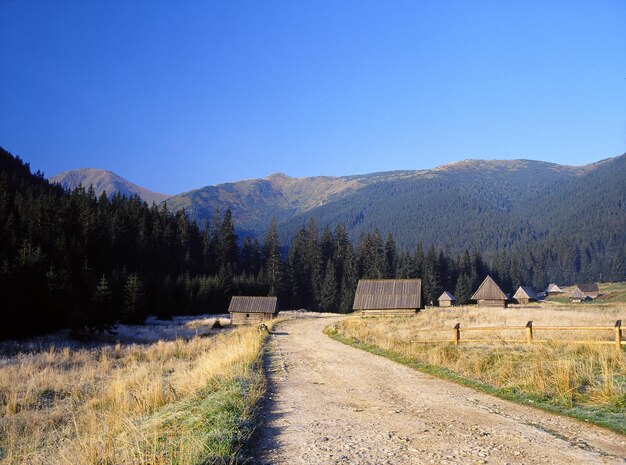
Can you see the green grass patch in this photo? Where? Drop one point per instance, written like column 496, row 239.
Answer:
column 613, row 418
column 208, row 428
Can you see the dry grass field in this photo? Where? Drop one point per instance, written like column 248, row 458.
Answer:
column 181, row 401
column 571, row 375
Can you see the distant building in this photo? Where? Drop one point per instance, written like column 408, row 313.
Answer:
column 577, row 295
column 251, row 310
column 489, row 294
column 388, row 297
column 446, row 299
column 553, row 289
column 525, row 295
column 590, row 290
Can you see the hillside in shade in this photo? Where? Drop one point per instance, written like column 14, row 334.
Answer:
column 103, row 180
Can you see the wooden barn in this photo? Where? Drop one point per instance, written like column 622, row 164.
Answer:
column 489, row 294
column 591, row 290
column 525, row 295
column 577, row 295
column 447, row 299
column 251, row 310
column 553, row 289
column 388, row 297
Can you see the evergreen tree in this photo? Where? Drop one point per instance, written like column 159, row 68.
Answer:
column 228, row 251
column 101, row 303
column 432, row 280
column 391, row 257
column 134, row 310
column 329, row 291
column 618, row 267
column 273, row 264
column 463, row 290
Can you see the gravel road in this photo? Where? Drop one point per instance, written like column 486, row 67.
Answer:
column 333, row 404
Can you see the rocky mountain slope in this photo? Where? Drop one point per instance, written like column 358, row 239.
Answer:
column 103, row 180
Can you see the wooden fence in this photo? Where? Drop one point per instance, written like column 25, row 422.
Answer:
column 529, row 331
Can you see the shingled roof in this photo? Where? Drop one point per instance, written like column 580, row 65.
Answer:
column 489, row 290
column 577, row 294
column 588, row 287
column 376, row 294
column 447, row 296
column 524, row 292
column 552, row 287
column 245, row 304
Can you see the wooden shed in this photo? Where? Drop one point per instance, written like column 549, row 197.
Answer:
column 525, row 295
column 388, row 297
column 553, row 289
column 591, row 290
column 489, row 294
column 577, row 295
column 251, row 310
column 447, row 299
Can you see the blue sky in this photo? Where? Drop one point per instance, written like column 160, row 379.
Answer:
column 178, row 95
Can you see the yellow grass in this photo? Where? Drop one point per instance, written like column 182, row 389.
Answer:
column 565, row 374
column 176, row 402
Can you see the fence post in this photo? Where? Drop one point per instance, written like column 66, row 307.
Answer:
column 618, row 334
column 529, row 332
column 457, row 334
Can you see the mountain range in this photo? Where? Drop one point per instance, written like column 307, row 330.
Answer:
column 475, row 204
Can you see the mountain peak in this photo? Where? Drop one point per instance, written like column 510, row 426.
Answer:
column 104, row 180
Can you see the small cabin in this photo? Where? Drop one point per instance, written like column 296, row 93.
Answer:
column 245, row 310
column 553, row 289
column 446, row 299
column 489, row 294
column 577, row 295
column 388, row 297
column 591, row 290
column 525, row 295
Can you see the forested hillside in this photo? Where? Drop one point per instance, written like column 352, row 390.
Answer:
column 69, row 258
column 547, row 221
column 542, row 221
column 254, row 202
column 467, row 204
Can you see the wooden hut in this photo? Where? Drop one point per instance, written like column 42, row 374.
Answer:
column 577, row 295
column 525, row 295
column 251, row 310
column 489, row 294
column 591, row 290
column 553, row 289
column 388, row 297
column 447, row 299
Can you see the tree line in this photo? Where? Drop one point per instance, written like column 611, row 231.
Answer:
column 74, row 259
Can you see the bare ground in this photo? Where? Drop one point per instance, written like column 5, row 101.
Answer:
column 333, row 404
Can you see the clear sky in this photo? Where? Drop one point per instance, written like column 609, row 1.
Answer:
column 177, row 95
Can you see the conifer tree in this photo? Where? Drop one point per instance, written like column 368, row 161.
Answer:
column 329, row 291
column 271, row 255
column 134, row 310
column 101, row 303
column 391, row 257
column 228, row 251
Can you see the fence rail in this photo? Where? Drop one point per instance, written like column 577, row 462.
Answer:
column 529, row 330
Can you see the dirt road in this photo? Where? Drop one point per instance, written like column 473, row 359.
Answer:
column 333, row 404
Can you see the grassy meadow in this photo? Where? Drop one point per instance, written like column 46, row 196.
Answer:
column 182, row 401
column 580, row 379
column 610, row 293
